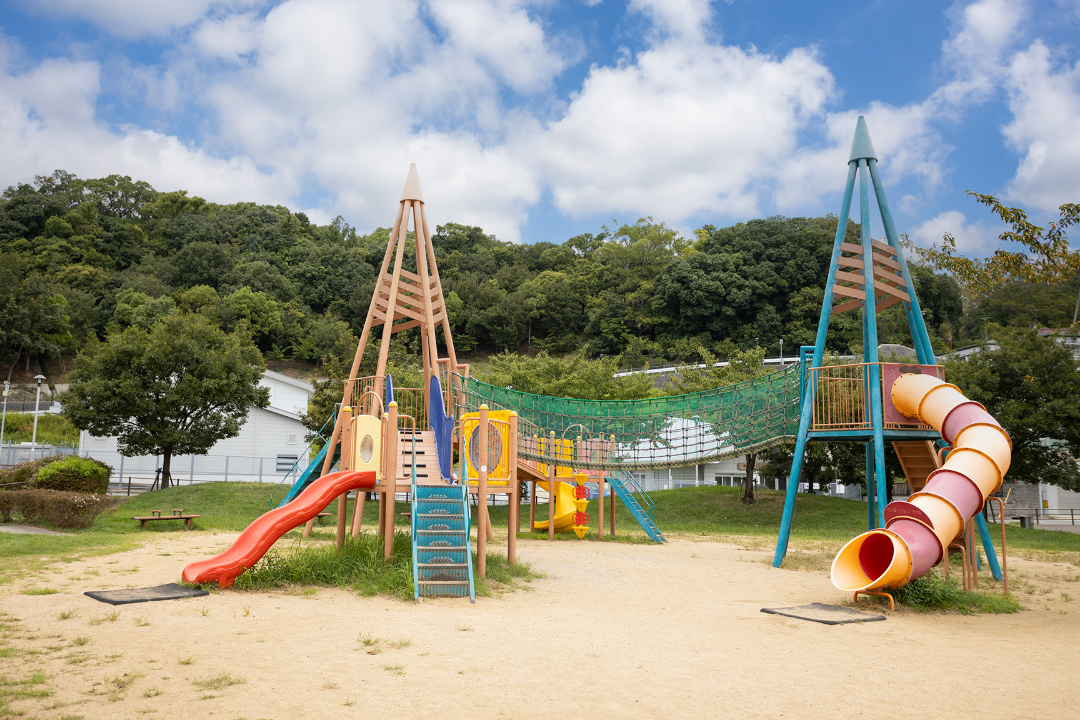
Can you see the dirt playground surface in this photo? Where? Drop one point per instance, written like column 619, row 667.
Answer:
column 612, row 631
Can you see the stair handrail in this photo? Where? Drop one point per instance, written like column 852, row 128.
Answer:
column 307, row 451
column 412, row 514
column 463, row 477
column 630, row 480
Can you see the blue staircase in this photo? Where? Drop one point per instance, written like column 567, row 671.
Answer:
column 625, row 486
column 442, row 556
column 314, row 468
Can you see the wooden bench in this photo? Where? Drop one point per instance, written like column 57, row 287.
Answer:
column 320, row 516
column 176, row 515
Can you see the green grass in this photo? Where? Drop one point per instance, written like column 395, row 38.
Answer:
column 936, row 591
column 12, row 689
column 51, row 430
column 359, row 566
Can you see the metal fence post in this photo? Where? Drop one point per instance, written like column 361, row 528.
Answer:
column 121, row 468
column 191, row 475
column 260, row 468
column 226, row 468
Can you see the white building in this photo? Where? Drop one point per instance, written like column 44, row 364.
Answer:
column 270, row 443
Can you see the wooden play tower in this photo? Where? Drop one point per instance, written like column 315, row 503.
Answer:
column 418, row 424
column 848, row 402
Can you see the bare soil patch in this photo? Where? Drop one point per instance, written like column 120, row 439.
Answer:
column 614, row 630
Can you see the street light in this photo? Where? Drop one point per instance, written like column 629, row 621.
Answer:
column 37, row 404
column 3, row 416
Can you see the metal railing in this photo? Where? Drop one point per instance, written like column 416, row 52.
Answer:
column 841, row 396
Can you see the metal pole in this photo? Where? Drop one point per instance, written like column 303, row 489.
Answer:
column 37, row 404
column 226, row 468
column 819, row 350
column 3, row 417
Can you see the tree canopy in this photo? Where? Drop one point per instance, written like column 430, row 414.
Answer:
column 173, row 389
column 1031, row 385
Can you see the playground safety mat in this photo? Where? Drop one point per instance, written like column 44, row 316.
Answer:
column 169, row 591
column 652, row 433
column 826, row 614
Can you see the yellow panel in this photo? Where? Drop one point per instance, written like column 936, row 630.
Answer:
column 500, row 421
column 367, row 443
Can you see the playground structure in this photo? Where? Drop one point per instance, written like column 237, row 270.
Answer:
column 847, row 403
column 403, row 439
column 919, row 532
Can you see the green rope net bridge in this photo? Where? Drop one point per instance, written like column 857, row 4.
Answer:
column 653, row 433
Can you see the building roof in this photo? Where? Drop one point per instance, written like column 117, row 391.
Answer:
column 289, row 380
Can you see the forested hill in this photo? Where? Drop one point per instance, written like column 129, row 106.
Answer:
column 81, row 257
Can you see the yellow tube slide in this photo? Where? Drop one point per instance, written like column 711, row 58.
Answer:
column 564, row 507
column 917, row 532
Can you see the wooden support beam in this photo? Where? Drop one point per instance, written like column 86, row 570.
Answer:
column 842, row 276
column 849, row 292
column 894, row 291
column 883, row 247
column 851, row 248
column 880, row 259
column 847, row 305
column 851, row 262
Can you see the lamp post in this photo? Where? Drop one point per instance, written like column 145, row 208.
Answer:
column 37, row 405
column 3, row 416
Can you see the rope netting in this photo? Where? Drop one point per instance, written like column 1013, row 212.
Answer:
column 666, row 432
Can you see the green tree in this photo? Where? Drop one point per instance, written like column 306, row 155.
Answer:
column 174, row 389
column 1046, row 258
column 572, row 377
column 742, row 366
column 1031, row 385
column 258, row 310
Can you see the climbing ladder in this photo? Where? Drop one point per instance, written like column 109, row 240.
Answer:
column 442, row 556
column 624, row 485
column 918, row 458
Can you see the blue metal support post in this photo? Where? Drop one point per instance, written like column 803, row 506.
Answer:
column 807, row 410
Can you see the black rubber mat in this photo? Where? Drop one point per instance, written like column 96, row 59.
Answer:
column 827, row 614
column 170, row 591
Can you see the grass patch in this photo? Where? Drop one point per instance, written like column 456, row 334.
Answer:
column 501, row 576
column 40, row 591
column 359, row 567
column 938, row 592
column 51, row 429
column 12, row 690
column 219, row 681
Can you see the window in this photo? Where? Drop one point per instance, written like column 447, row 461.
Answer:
column 290, row 439
column 285, row 462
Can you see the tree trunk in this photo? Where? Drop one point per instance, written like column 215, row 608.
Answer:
column 748, row 483
column 166, row 464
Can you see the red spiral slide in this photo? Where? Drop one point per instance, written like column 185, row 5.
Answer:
column 265, row 531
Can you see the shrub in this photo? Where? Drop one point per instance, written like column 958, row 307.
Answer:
column 53, row 507
column 75, row 474
column 26, row 472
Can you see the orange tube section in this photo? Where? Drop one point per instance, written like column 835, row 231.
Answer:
column 918, row 532
column 265, row 531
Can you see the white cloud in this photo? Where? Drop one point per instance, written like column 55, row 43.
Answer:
column 686, row 128
column 971, row 238
column 47, row 122
column 337, row 97
column 134, row 18
column 1045, row 102
column 682, row 18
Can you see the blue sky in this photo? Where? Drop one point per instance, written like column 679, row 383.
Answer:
column 543, row 120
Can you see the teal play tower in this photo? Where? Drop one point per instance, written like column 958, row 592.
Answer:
column 850, row 402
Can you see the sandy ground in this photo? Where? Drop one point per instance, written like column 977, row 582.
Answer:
column 612, row 631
